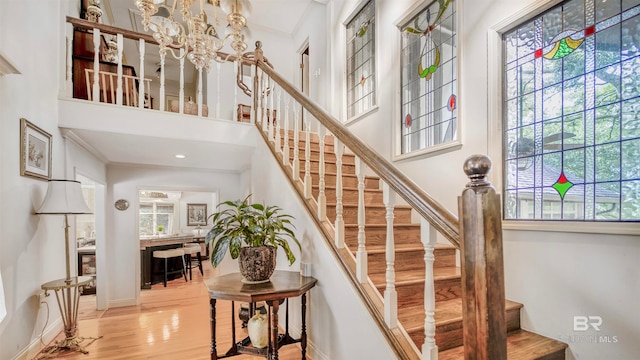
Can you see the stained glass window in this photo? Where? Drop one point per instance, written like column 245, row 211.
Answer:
column 361, row 61
column 572, row 113
column 429, row 78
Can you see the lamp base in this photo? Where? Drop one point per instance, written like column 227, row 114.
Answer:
column 73, row 344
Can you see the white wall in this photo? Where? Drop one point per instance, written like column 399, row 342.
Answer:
column 277, row 48
column 338, row 324
column 32, row 250
column 556, row 275
column 123, row 244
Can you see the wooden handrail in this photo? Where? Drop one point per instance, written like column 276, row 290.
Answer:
column 86, row 24
column 441, row 218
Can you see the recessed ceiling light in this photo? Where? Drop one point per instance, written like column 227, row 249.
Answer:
column 180, row 156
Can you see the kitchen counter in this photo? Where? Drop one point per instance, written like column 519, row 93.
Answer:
column 166, row 240
column 149, row 245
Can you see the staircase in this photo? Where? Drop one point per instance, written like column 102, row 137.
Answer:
column 409, row 263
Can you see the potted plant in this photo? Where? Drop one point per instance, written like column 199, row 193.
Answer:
column 253, row 233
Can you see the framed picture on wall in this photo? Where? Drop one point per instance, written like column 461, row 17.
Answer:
column 35, row 151
column 196, row 214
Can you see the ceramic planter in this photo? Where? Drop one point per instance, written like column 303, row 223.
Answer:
column 257, row 263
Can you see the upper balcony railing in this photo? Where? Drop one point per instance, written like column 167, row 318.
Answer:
column 96, row 71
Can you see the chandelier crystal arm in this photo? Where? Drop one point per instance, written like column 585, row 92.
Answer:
column 198, row 38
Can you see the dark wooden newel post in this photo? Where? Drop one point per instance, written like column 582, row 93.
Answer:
column 483, row 307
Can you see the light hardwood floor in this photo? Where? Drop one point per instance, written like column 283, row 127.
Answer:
column 170, row 323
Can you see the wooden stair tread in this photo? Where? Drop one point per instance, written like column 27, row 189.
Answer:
column 374, row 206
column 316, row 186
column 416, row 276
column 521, row 345
column 412, row 317
column 381, row 249
column 382, row 225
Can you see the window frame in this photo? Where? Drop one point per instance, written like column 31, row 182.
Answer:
column 173, row 215
column 345, row 81
column 438, row 149
column 495, row 132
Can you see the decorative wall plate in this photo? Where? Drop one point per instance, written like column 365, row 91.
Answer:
column 122, row 204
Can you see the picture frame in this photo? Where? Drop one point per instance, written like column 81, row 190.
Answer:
column 196, row 214
column 35, row 151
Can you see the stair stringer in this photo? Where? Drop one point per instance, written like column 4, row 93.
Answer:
column 267, row 186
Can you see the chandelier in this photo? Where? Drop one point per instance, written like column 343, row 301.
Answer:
column 198, row 38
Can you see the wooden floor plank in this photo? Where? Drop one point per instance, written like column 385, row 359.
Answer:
column 170, row 323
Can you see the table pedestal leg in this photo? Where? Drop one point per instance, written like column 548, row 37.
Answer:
column 274, row 329
column 303, row 336
column 214, row 351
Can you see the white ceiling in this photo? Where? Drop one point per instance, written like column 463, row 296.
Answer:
column 268, row 15
column 155, row 151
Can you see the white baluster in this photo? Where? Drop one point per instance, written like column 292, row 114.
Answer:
column 69, row 76
column 119, row 41
column 428, row 236
column 199, row 95
column 361, row 254
column 270, row 113
column 296, row 140
column 390, row 294
column 236, row 64
column 218, row 65
column 285, row 151
column 307, row 159
column 322, row 198
column 181, row 90
column 338, row 149
column 162, row 57
column 142, row 83
column 278, row 118
column 252, row 117
column 96, row 65
column 263, row 102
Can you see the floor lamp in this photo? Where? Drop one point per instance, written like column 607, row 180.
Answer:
column 64, row 197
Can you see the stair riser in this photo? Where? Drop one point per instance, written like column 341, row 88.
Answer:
column 407, row 260
column 378, row 236
column 371, row 216
column 450, row 335
column 328, row 140
column 350, row 196
column 315, row 146
column 413, row 294
column 347, row 181
column 404, row 260
column 328, row 167
column 329, row 157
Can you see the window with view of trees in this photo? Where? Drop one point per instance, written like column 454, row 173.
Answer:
column 155, row 214
column 572, row 113
column 361, row 61
column 429, row 78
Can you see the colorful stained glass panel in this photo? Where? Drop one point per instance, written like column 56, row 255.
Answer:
column 572, row 117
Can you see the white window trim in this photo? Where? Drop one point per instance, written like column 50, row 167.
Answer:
column 396, row 134
column 345, row 84
column 495, row 135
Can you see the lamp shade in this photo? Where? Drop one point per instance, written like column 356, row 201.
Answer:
column 64, row 197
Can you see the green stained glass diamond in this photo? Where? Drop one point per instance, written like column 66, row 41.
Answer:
column 562, row 185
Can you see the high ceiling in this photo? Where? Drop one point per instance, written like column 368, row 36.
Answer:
column 279, row 16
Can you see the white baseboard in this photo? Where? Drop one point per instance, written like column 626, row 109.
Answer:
column 35, row 346
column 121, row 303
column 312, row 350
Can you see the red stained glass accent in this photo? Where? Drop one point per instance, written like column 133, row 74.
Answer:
column 590, row 30
column 538, row 53
column 451, row 105
column 408, row 120
column 562, row 179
